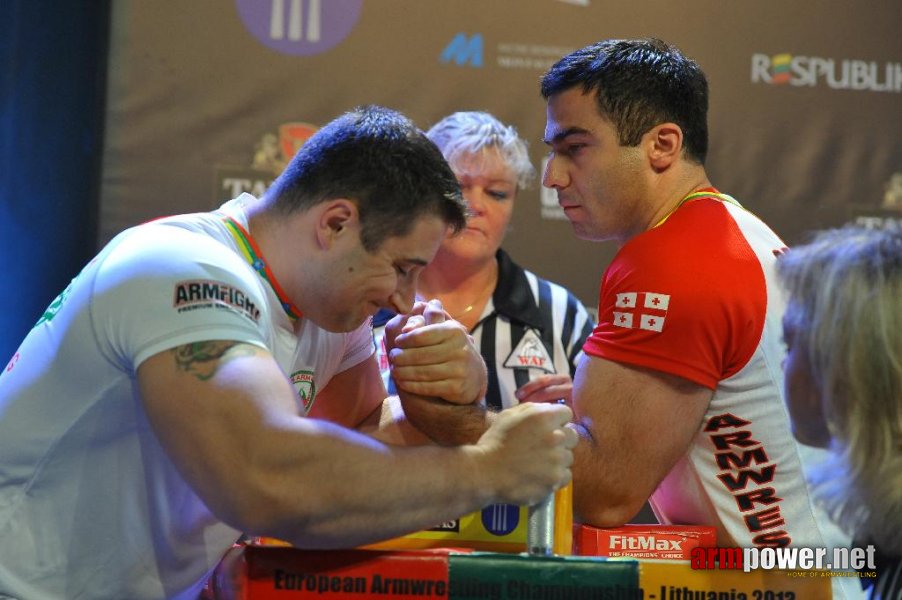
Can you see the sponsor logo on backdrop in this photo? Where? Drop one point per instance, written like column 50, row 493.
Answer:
column 536, row 57
column 888, row 213
column 892, row 195
column 469, row 50
column 270, row 155
column 463, row 50
column 299, row 27
column 837, row 74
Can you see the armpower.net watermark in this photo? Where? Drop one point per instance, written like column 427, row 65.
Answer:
column 802, row 562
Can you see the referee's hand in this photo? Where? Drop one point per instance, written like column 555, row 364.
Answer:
column 555, row 388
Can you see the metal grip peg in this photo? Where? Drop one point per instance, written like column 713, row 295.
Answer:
column 540, row 527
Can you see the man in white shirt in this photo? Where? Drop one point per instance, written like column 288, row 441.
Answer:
column 156, row 410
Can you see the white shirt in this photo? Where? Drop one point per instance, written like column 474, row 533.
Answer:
column 90, row 505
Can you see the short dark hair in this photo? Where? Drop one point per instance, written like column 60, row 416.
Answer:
column 639, row 84
column 377, row 158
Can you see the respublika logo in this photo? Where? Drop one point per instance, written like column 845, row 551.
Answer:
column 463, row 50
column 299, row 27
column 810, row 71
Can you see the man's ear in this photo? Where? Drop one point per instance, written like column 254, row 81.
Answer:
column 664, row 144
column 336, row 217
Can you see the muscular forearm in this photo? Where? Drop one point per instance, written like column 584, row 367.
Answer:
column 635, row 425
column 335, row 488
column 320, row 486
column 232, row 430
column 381, row 494
column 445, row 423
column 600, row 497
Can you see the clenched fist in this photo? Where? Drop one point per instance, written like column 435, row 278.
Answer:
column 528, row 451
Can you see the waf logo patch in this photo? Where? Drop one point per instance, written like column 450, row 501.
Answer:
column 305, row 387
column 641, row 310
column 530, row 353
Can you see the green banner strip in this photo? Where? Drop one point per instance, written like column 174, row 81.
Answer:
column 492, row 576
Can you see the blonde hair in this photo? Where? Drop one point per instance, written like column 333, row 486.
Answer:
column 845, row 306
column 464, row 138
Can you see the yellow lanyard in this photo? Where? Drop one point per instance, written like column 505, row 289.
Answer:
column 701, row 194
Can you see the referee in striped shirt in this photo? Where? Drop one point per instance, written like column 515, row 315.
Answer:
column 530, row 331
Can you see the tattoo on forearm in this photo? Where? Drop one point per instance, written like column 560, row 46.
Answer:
column 203, row 359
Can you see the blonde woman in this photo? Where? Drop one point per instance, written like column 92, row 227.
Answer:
column 843, row 382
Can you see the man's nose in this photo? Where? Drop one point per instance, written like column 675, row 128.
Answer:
column 554, row 176
column 403, row 297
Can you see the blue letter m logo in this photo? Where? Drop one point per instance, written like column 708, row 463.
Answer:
column 462, row 50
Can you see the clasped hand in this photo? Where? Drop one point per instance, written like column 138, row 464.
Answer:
column 433, row 355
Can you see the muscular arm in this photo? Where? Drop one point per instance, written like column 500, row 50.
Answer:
column 227, row 417
column 356, row 399
column 445, row 423
column 634, row 426
column 351, row 396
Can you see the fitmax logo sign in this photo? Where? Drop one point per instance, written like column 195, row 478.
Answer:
column 809, row 71
column 463, row 50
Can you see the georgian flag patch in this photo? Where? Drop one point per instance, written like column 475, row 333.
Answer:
column 642, row 310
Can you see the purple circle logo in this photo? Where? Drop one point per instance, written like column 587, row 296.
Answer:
column 299, row 27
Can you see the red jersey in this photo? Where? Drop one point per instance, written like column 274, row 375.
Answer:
column 697, row 297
